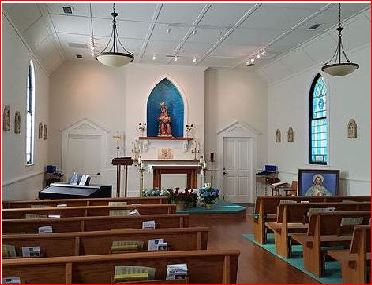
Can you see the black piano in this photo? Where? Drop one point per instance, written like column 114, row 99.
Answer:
column 67, row 191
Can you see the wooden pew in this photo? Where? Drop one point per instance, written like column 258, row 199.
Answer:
column 354, row 260
column 99, row 242
column 85, row 224
column 84, row 202
column 84, row 211
column 266, row 206
column 207, row 266
column 325, row 230
column 292, row 218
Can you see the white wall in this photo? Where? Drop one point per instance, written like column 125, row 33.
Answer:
column 116, row 99
column 20, row 181
column 235, row 95
column 349, row 97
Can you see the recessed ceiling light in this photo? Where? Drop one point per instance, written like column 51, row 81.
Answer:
column 175, row 58
column 79, row 56
column 258, row 55
column 153, row 57
column 194, row 60
column 67, row 10
column 314, row 27
column 252, row 60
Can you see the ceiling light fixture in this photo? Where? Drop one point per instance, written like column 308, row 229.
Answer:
column 153, row 57
column 112, row 56
column 339, row 68
column 175, row 58
column 258, row 55
column 194, row 60
column 252, row 60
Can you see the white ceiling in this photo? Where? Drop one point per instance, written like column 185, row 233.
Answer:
column 53, row 35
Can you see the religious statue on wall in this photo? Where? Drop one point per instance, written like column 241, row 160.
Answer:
column 290, row 135
column 17, row 122
column 164, row 121
column 6, row 118
column 352, row 129
column 278, row 136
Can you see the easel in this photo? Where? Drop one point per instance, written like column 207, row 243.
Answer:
column 119, row 161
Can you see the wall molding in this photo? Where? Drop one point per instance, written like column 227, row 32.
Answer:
column 21, row 178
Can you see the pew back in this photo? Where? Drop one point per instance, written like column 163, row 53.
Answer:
column 84, row 202
column 84, row 211
column 100, row 242
column 295, row 213
column 217, row 266
column 82, row 224
column 361, row 237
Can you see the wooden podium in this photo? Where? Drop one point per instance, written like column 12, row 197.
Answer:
column 119, row 161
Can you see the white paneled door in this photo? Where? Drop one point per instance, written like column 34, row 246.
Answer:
column 83, row 156
column 237, row 169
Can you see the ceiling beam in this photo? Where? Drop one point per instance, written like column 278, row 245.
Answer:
column 150, row 30
column 191, row 30
column 242, row 19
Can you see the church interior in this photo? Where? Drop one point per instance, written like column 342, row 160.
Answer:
column 191, row 142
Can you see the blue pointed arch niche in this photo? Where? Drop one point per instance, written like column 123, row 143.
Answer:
column 165, row 91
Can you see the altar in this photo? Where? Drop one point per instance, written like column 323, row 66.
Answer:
column 191, row 168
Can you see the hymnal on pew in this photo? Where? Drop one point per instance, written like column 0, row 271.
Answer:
column 45, row 229
column 148, row 225
column 176, row 271
column 31, row 251
column 11, row 280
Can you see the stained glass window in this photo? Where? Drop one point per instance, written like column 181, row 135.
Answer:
column 30, row 115
column 318, row 123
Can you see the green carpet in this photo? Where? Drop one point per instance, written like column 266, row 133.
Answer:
column 332, row 273
column 221, row 207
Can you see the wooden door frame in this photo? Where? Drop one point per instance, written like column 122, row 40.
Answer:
column 236, row 130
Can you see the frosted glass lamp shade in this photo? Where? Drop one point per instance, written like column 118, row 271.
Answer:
column 340, row 69
column 115, row 59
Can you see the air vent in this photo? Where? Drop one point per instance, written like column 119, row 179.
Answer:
column 79, row 56
column 77, row 45
column 314, row 27
column 67, row 10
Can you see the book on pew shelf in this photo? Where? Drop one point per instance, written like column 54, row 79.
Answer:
column 148, row 225
column 11, row 280
column 126, row 245
column 121, row 213
column 133, row 273
column 9, row 251
column 281, row 202
column 176, row 271
column 62, row 205
column 53, row 216
column 351, row 221
column 45, row 229
column 157, row 244
column 313, row 211
column 305, row 202
column 31, row 251
column 35, row 216
column 39, row 206
column 117, row 203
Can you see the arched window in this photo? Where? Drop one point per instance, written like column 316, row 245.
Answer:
column 318, row 122
column 30, row 115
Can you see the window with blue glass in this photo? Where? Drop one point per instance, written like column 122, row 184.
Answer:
column 318, row 122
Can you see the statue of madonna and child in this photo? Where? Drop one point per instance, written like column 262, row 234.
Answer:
column 165, row 129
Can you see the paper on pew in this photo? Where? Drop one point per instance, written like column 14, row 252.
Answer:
column 148, row 225
column 31, row 251
column 54, row 216
column 176, row 271
column 11, row 280
column 134, row 213
column 62, row 205
column 45, row 229
column 152, row 244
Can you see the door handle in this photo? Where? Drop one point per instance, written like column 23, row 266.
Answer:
column 224, row 173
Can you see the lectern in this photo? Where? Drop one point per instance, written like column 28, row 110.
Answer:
column 119, row 161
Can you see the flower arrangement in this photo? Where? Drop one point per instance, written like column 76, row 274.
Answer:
column 141, row 127
column 155, row 192
column 208, row 195
column 188, row 198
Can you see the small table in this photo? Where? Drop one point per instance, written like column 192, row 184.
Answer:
column 190, row 171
